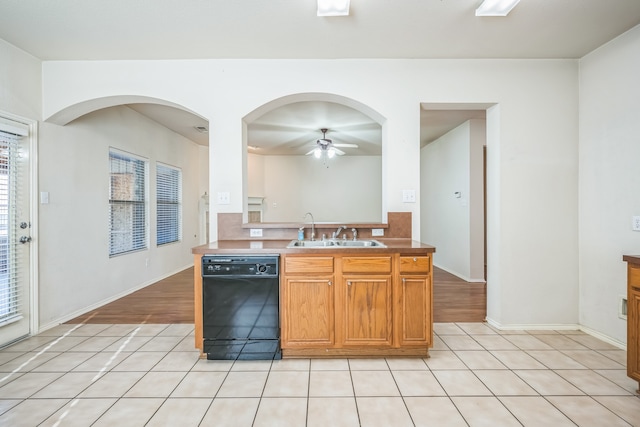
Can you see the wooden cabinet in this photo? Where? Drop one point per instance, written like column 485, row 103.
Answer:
column 308, row 294
column 413, row 314
column 367, row 306
column 633, row 318
column 356, row 305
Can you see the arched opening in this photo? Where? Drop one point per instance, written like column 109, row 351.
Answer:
column 287, row 171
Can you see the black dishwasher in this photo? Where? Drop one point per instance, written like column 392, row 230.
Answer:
column 240, row 301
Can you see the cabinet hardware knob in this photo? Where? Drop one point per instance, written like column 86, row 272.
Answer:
column 349, row 282
column 415, row 259
column 329, row 282
column 404, row 280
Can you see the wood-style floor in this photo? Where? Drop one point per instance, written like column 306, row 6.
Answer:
column 455, row 300
column 171, row 301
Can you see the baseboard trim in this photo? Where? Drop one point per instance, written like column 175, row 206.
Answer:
column 535, row 326
column 461, row 276
column 603, row 337
column 558, row 327
column 99, row 304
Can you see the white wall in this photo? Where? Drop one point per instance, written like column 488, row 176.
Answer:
column 20, row 82
column 347, row 189
column 532, row 145
column 455, row 226
column 609, row 178
column 76, row 271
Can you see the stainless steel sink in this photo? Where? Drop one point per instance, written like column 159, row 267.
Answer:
column 360, row 243
column 311, row 244
column 335, row 244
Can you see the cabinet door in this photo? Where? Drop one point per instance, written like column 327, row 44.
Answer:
column 633, row 328
column 413, row 312
column 309, row 317
column 367, row 314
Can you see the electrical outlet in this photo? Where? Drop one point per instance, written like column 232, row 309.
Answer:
column 377, row 232
column 408, row 196
column 255, row 232
column 224, row 198
column 622, row 306
column 635, row 223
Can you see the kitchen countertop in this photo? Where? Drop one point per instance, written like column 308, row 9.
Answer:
column 406, row 246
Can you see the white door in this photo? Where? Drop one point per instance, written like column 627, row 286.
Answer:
column 15, row 231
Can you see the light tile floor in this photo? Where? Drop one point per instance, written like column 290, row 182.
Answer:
column 150, row 375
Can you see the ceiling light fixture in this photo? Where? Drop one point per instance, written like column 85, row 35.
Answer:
column 496, row 7
column 333, row 7
column 325, row 149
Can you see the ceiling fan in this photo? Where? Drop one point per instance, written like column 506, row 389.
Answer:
column 325, row 146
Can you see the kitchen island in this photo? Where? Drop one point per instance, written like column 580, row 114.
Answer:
column 343, row 301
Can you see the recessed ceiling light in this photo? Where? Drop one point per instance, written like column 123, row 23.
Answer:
column 333, row 7
column 496, row 7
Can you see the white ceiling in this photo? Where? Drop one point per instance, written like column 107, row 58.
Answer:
column 186, row 29
column 199, row 29
column 293, row 129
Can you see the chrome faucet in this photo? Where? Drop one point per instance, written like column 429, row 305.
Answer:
column 313, row 225
column 336, row 234
column 355, row 233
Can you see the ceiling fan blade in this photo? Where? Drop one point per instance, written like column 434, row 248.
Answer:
column 310, row 152
column 345, row 145
column 339, row 152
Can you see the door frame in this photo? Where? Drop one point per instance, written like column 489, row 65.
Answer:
column 34, row 312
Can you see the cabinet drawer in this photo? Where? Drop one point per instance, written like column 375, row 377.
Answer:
column 414, row 264
column 369, row 264
column 308, row 264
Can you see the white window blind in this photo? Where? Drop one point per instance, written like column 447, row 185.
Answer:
column 10, row 299
column 168, row 204
column 127, row 203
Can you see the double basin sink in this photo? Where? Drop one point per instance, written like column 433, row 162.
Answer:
column 315, row 244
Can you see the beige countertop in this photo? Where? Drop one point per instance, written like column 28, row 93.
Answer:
column 406, row 246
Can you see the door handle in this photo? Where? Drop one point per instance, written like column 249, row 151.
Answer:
column 25, row 239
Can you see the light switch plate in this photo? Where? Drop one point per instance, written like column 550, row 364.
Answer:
column 224, row 198
column 635, row 224
column 408, row 196
column 255, row 232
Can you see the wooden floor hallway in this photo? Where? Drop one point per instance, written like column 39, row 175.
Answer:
column 171, row 301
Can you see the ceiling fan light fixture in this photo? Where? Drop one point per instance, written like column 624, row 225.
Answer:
column 331, row 152
column 333, row 7
column 496, row 7
column 317, row 153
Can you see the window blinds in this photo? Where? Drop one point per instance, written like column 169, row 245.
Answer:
column 168, row 204
column 128, row 203
column 10, row 298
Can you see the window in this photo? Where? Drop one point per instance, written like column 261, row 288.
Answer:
column 127, row 203
column 9, row 191
column 169, row 204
